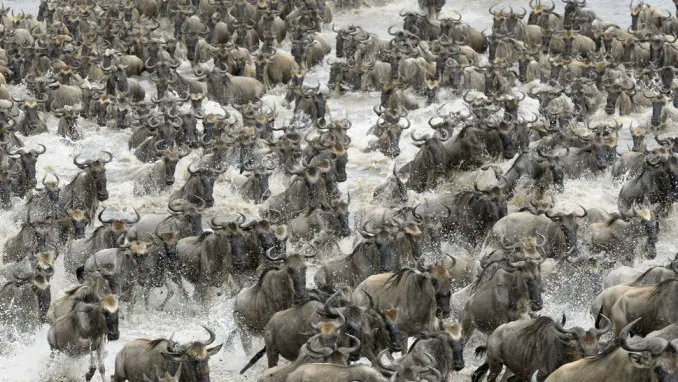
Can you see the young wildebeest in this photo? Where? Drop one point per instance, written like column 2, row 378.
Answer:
column 536, row 344
column 426, row 290
column 277, row 289
column 85, row 329
column 146, row 357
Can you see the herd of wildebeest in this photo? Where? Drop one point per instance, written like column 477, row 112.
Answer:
column 86, row 63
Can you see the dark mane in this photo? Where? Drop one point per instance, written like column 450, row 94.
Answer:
column 660, row 289
column 260, row 282
column 481, row 275
column 96, row 231
column 153, row 343
column 203, row 236
column 609, row 349
column 642, row 276
column 538, row 328
column 398, row 277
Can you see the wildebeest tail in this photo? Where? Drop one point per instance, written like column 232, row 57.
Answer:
column 254, row 360
column 598, row 317
column 479, row 373
column 480, row 351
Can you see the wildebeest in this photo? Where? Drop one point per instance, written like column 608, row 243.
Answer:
column 143, row 357
column 513, row 344
column 335, row 373
column 84, row 330
column 160, row 175
column 23, row 169
column 645, row 360
column 276, row 290
column 656, row 184
column 199, row 186
column 109, row 234
column 441, row 350
column 428, row 291
column 511, row 292
column 184, row 220
column 89, row 186
column 648, row 303
column 22, row 302
column 621, row 234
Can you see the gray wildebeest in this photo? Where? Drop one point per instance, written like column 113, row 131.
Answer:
column 89, row 186
column 442, row 350
column 84, row 330
column 159, row 176
column 426, row 290
column 22, row 300
column 652, row 303
column 108, row 235
column 312, row 372
column 199, row 186
column 649, row 359
column 511, row 293
column 514, row 344
column 558, row 230
column 623, row 235
column 277, row 289
column 143, row 357
column 656, row 184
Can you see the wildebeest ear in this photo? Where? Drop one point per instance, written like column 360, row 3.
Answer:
column 640, row 360
column 214, row 350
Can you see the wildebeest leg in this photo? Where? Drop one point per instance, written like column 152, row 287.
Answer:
column 146, row 292
column 170, row 293
column 133, row 298
column 200, row 294
column 495, row 368
column 272, row 356
column 246, row 341
column 92, row 366
column 467, row 325
column 100, row 358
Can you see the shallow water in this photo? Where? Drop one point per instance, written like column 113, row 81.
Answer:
column 31, row 362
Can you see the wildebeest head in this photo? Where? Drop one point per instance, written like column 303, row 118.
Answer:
column 191, row 213
column 96, row 169
column 538, row 12
column 27, row 162
column 257, row 182
column 658, row 103
column 638, row 138
column 384, row 324
column 234, row 236
column 340, row 214
column 343, row 35
column 528, row 273
column 79, row 220
column 582, row 342
column 499, row 19
column 170, row 158
column 394, row 189
column 656, row 354
column 669, row 143
column 513, row 19
column 329, row 338
column 613, row 93
column 30, row 108
column 442, row 284
column 193, row 358
column 551, row 163
column 200, row 185
column 268, row 235
column 296, row 269
column 312, row 174
column 569, row 225
column 391, row 129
